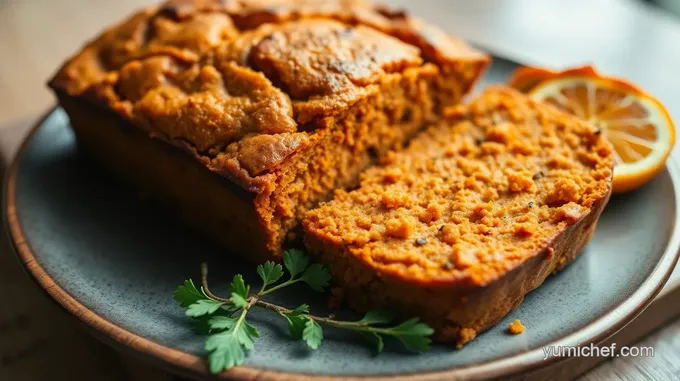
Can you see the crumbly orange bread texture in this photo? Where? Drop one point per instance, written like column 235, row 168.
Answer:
column 474, row 214
column 283, row 100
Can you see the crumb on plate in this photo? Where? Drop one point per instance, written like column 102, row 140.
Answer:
column 516, row 327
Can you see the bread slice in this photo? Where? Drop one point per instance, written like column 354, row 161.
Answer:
column 246, row 114
column 474, row 214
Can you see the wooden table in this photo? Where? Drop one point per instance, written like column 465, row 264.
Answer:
column 40, row 342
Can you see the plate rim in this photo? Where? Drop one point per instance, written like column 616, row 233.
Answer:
column 185, row 363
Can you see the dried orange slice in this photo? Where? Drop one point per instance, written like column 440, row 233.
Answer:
column 636, row 123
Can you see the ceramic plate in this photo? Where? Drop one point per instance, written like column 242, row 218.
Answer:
column 113, row 261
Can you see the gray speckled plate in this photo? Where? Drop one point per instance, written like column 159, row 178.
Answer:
column 113, row 261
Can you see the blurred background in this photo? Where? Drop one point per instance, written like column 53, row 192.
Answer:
column 672, row 6
column 635, row 39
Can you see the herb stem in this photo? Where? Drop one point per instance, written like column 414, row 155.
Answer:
column 279, row 286
column 256, row 301
column 352, row 325
column 251, row 302
column 240, row 319
column 231, row 337
column 206, row 289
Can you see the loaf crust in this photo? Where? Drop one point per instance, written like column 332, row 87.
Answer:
column 474, row 214
column 287, row 100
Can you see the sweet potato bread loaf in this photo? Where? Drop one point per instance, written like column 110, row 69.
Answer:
column 247, row 113
column 474, row 214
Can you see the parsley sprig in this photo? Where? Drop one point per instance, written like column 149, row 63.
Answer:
column 231, row 337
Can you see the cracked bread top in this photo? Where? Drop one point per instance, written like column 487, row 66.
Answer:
column 473, row 198
column 237, row 82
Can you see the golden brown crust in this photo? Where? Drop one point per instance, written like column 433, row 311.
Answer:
column 204, row 75
column 288, row 99
column 324, row 66
column 474, row 213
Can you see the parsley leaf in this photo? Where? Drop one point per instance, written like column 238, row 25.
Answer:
column 238, row 286
column 413, row 335
column 296, row 261
column 231, row 338
column 300, row 310
column 238, row 300
column 270, row 272
column 204, row 324
column 379, row 316
column 374, row 339
column 297, row 320
column 203, row 307
column 225, row 351
column 239, row 292
column 296, row 325
column 317, row 277
column 201, row 324
column 187, row 294
column 415, row 343
column 221, row 322
column 247, row 335
column 228, row 348
column 312, row 334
